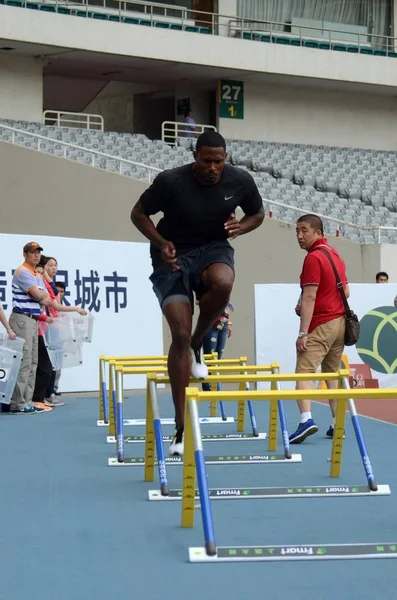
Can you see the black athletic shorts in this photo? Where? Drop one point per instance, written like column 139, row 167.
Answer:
column 178, row 286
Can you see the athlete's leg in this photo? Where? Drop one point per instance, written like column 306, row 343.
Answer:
column 179, row 318
column 210, row 342
column 217, row 281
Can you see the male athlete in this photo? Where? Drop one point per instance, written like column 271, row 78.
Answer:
column 190, row 252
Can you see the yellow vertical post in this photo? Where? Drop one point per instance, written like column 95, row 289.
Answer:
column 212, row 402
column 189, row 467
column 273, row 414
column 112, row 427
column 241, row 409
column 101, row 414
column 150, row 442
column 241, row 403
column 213, row 408
column 214, row 356
column 339, row 431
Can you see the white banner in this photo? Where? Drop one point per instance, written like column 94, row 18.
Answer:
column 277, row 326
column 111, row 280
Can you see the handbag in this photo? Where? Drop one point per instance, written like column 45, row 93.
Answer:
column 352, row 330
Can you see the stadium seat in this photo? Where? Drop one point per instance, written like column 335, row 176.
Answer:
column 310, row 44
column 352, row 185
column 283, row 40
column 48, row 8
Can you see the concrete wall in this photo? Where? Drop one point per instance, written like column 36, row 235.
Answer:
column 55, row 196
column 115, row 102
column 314, row 116
column 388, row 261
column 21, row 88
column 59, row 31
column 225, row 7
column 70, row 94
column 45, row 195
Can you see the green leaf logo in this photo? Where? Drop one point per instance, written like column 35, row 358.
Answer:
column 378, row 339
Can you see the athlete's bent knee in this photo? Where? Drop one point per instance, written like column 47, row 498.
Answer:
column 181, row 336
column 222, row 286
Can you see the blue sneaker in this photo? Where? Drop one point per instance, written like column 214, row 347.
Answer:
column 330, row 433
column 303, row 431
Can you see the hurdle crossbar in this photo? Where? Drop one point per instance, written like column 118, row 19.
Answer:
column 107, row 401
column 220, row 366
column 142, row 361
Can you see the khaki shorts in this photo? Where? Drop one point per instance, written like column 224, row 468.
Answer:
column 325, row 346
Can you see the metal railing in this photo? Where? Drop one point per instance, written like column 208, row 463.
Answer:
column 41, row 140
column 340, row 224
column 222, row 24
column 63, row 118
column 276, row 29
column 172, row 131
column 153, row 171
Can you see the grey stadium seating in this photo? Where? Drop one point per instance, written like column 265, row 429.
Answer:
column 356, row 187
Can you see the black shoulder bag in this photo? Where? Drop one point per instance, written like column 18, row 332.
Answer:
column 352, row 331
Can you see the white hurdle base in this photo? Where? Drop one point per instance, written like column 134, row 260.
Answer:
column 287, row 553
column 267, row 493
column 245, row 459
column 216, row 437
column 203, row 421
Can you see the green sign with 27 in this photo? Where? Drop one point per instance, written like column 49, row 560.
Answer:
column 231, row 99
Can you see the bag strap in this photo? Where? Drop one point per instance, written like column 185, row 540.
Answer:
column 339, row 284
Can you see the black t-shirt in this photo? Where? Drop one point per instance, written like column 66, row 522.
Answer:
column 195, row 214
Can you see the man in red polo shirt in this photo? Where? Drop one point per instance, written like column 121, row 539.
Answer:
column 322, row 322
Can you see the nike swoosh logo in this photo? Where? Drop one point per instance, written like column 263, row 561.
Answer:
column 228, row 197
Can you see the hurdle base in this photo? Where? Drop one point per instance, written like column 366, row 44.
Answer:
column 142, row 422
column 217, row 437
column 271, row 493
column 245, row 459
column 288, row 553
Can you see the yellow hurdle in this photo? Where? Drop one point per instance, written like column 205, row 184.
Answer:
column 219, row 367
column 243, row 395
column 193, row 440
column 148, row 360
column 142, row 366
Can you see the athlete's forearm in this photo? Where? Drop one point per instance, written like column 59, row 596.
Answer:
column 145, row 225
column 249, row 223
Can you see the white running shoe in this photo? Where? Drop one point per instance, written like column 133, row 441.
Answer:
column 176, row 447
column 198, row 368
